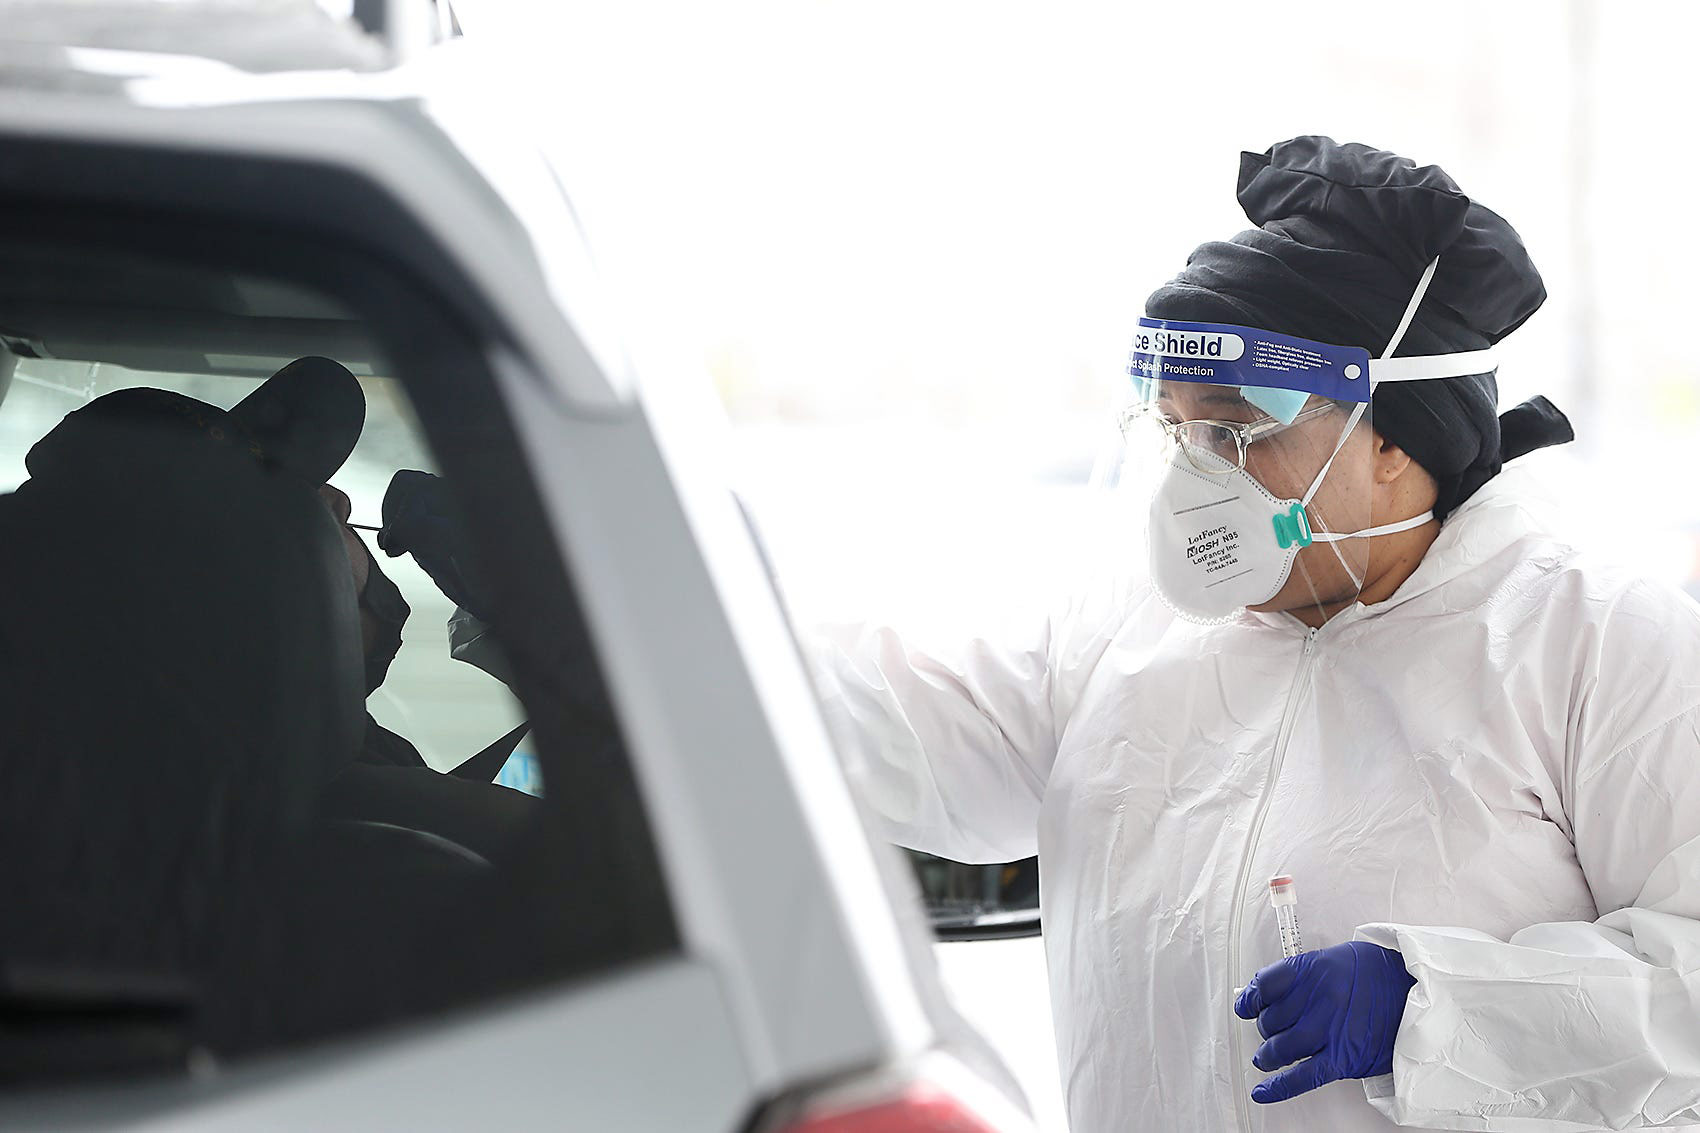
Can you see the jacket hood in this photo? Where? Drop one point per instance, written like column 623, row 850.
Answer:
column 1509, row 509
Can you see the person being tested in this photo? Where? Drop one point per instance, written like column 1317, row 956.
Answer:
column 1350, row 659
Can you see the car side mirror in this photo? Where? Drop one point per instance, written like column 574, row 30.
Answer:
column 979, row 902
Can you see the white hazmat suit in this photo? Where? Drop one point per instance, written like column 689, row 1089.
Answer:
column 1496, row 771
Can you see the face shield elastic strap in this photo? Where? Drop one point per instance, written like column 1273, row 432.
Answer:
column 1390, row 369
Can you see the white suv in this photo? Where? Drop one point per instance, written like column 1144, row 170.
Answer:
column 232, row 901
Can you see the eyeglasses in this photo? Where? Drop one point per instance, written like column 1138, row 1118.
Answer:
column 1227, row 441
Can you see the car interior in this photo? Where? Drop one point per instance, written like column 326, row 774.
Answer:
column 220, row 838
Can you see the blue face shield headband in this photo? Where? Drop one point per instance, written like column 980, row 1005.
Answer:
column 1278, row 372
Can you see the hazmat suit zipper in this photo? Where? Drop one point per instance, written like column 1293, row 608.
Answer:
column 1236, row 919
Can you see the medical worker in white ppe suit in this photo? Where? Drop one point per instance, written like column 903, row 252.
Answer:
column 1351, row 655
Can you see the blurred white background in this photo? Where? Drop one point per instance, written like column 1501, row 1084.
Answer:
column 907, row 240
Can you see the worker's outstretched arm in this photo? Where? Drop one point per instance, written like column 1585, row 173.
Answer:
column 951, row 749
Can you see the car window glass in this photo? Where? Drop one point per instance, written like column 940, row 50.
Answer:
column 265, row 783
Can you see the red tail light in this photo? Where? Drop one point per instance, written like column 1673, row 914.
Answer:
column 922, row 1108
column 935, row 1094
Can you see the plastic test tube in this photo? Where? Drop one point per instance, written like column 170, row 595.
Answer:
column 1284, row 899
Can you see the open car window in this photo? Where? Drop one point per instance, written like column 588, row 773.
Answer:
column 265, row 784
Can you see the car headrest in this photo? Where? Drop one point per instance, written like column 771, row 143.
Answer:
column 180, row 674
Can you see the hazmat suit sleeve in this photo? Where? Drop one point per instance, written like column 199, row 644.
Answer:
column 951, row 749
column 950, row 754
column 1578, row 1026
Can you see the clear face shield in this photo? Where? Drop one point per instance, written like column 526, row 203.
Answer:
column 1252, row 456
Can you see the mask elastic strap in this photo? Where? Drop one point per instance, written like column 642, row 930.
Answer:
column 1351, row 423
column 1411, row 308
column 1384, row 529
column 1424, row 366
column 1392, row 345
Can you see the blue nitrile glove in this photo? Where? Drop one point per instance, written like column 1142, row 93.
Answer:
column 419, row 517
column 1337, row 1008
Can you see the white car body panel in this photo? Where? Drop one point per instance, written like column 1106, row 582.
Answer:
column 559, row 1060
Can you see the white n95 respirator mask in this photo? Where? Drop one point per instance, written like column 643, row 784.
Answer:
column 1222, row 543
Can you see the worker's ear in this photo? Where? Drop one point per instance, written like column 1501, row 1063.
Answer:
column 1410, row 486
column 1389, row 460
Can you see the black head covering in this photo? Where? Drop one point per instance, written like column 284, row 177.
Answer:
column 307, row 417
column 302, row 421
column 1344, row 234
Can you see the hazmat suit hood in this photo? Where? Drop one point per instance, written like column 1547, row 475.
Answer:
column 1511, row 511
